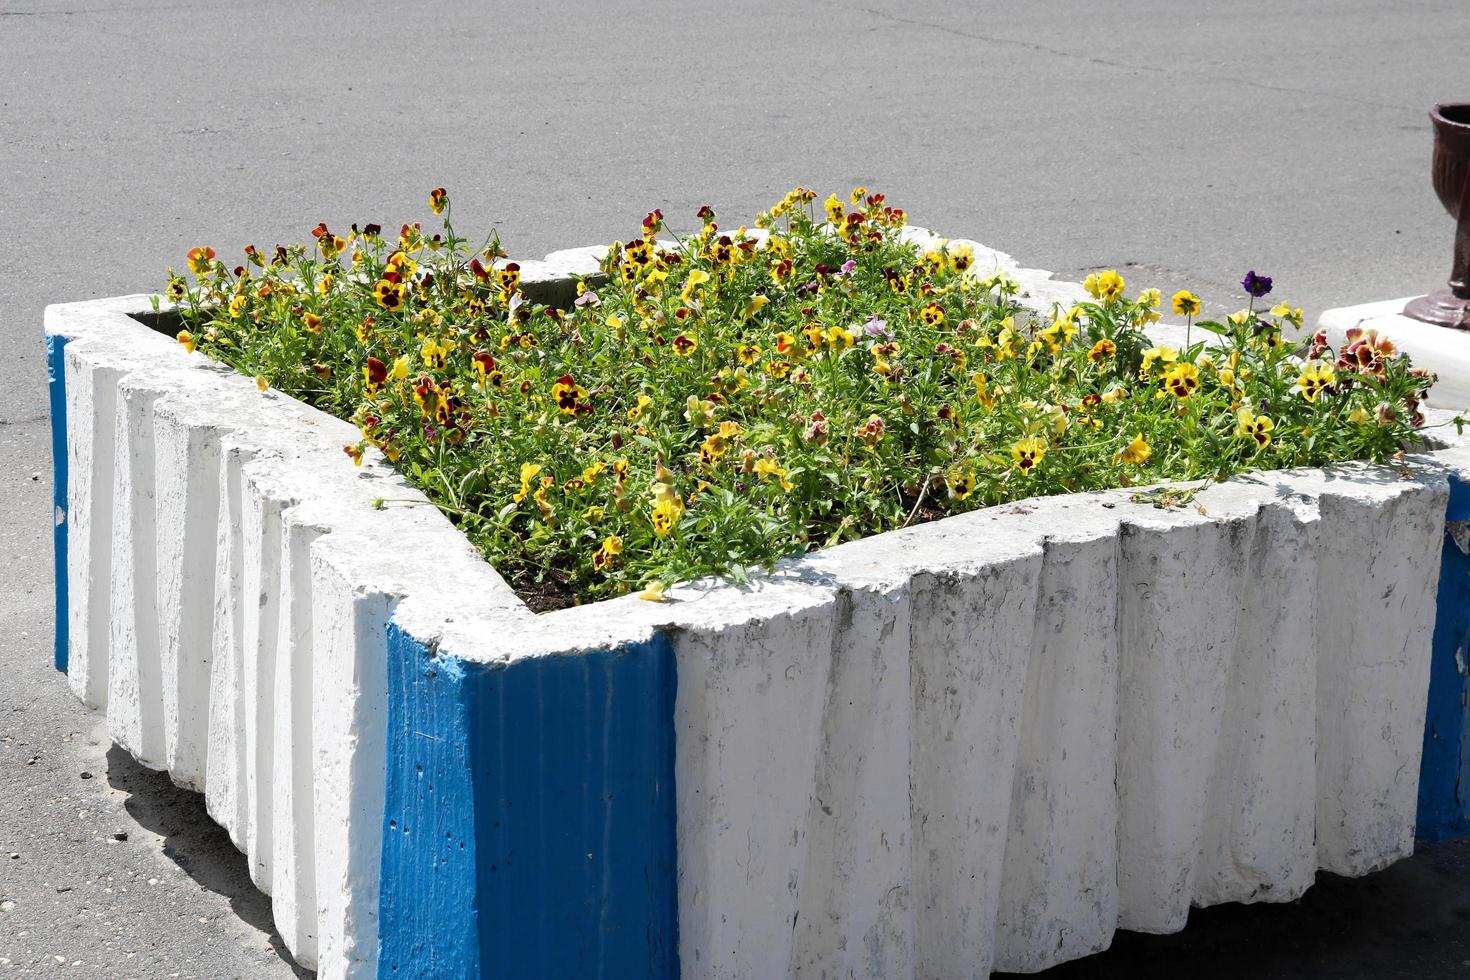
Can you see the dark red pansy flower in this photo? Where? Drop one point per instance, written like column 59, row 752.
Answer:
column 376, row 372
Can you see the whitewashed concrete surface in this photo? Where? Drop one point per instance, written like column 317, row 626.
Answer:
column 985, row 742
column 1440, row 349
column 993, row 740
column 234, row 582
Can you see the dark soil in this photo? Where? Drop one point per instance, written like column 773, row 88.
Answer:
column 543, row 590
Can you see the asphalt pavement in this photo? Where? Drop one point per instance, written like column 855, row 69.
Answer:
column 1180, row 143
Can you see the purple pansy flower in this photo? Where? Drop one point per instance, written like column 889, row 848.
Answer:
column 1257, row 286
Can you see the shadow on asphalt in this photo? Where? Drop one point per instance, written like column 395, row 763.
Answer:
column 1409, row 921
column 192, row 840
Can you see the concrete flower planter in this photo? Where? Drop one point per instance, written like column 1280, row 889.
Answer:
column 986, row 742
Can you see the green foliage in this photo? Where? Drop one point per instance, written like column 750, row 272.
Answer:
column 712, row 404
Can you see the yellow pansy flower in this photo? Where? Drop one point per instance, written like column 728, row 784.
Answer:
column 697, row 278
column 1167, row 355
column 961, row 484
column 756, row 304
column 528, row 473
column 768, row 469
column 836, row 212
column 1105, row 286
column 1258, row 427
column 839, row 339
column 1315, row 377
column 1185, row 303
column 1136, row 452
column 1182, row 380
column 611, row 548
column 666, row 513
column 961, row 258
column 1028, row 453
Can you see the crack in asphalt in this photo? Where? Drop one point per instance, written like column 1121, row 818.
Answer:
column 92, row 10
column 1158, row 69
column 1027, row 45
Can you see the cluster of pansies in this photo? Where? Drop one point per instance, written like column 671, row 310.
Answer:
column 714, row 402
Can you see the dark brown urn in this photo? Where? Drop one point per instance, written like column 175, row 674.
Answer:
column 1451, row 307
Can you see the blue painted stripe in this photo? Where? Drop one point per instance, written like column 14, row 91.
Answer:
column 1459, row 507
column 1444, row 772
column 530, row 815
column 427, row 913
column 56, row 387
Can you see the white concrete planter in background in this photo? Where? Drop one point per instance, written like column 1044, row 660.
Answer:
column 986, row 742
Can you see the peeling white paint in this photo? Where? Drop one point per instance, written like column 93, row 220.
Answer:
column 1459, row 532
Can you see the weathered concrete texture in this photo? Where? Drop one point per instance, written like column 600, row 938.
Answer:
column 229, row 640
column 984, row 742
column 993, row 740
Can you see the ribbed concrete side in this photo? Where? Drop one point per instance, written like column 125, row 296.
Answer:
column 992, row 741
column 134, row 682
column 1257, row 838
column 1059, row 852
column 293, row 812
column 91, row 393
column 233, row 587
column 225, row 754
column 529, row 829
column 186, row 502
column 1377, row 579
column 985, row 742
column 972, row 636
column 1150, row 733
